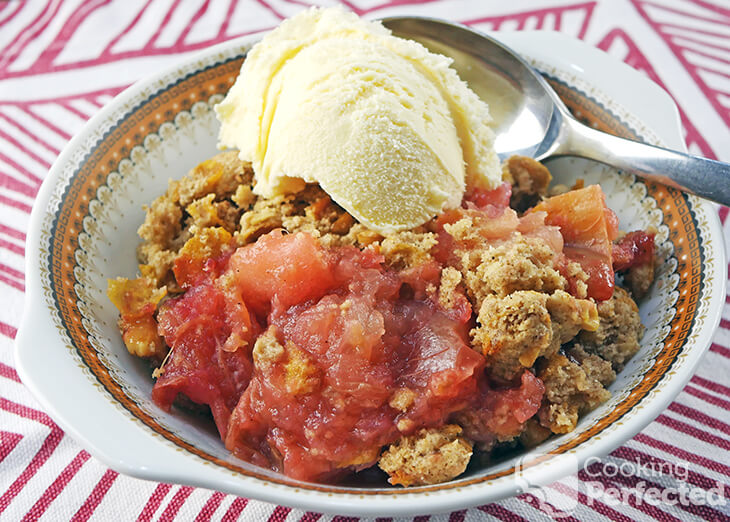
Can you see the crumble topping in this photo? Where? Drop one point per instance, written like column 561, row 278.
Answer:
column 529, row 180
column 428, row 457
column 619, row 331
column 516, row 329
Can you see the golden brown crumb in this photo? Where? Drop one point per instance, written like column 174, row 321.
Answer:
column 571, row 315
column 595, row 367
column 364, row 236
column 576, row 273
column 198, row 200
column 162, row 225
column 524, row 263
column 571, row 389
column 405, row 425
column 301, row 374
column 450, row 280
column 408, row 248
column 529, row 180
column 221, row 175
column 244, row 196
column 430, row 456
column 136, row 300
column 513, row 331
column 402, row 399
column 534, row 433
column 309, row 210
column 619, row 332
column 267, row 350
column 228, row 213
column 513, row 328
column 639, row 278
column 265, row 216
column 203, row 212
column 357, row 236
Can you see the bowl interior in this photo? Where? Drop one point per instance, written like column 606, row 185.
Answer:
column 168, row 126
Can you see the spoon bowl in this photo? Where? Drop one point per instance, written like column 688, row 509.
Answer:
column 531, row 120
column 519, row 103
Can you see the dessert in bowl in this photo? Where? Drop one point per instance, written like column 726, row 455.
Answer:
column 159, row 132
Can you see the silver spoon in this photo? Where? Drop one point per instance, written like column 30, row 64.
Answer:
column 531, row 120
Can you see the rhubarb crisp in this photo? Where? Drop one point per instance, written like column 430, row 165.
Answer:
column 322, row 348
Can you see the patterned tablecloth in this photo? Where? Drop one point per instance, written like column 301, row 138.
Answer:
column 60, row 61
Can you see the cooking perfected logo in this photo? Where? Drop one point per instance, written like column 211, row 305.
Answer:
column 602, row 483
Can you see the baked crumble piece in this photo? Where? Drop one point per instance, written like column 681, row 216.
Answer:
column 429, row 456
column 619, row 331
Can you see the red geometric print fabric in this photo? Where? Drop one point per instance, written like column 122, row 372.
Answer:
column 61, row 61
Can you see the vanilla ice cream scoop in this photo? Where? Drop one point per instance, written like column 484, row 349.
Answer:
column 385, row 127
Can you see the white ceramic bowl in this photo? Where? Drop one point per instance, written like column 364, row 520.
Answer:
column 70, row 354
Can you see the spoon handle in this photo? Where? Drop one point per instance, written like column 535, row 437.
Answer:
column 703, row 177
